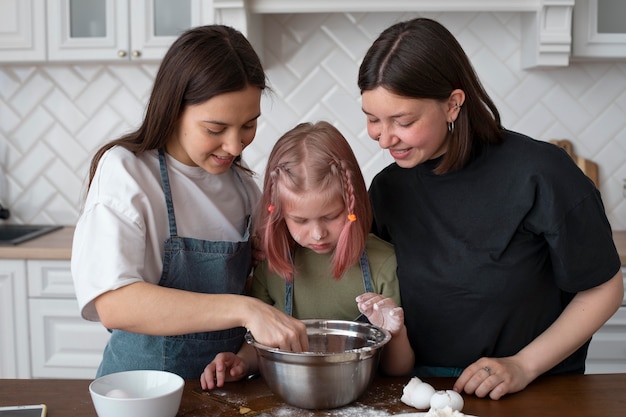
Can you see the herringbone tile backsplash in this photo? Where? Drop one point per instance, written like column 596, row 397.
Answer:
column 54, row 116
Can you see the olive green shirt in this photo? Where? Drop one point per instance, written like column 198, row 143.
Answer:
column 317, row 295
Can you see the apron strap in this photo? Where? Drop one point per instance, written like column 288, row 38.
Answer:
column 165, row 181
column 366, row 273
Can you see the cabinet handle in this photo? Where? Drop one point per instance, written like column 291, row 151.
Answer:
column 121, row 53
column 136, row 54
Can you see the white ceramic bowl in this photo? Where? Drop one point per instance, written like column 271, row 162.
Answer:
column 137, row 394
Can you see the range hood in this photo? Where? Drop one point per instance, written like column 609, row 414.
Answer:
column 546, row 24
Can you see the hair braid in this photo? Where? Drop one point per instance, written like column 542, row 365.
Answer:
column 348, row 186
column 346, row 253
column 277, row 242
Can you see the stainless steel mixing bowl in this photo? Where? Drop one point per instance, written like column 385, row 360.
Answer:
column 338, row 367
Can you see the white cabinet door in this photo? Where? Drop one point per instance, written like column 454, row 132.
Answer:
column 86, row 30
column 599, row 29
column 49, row 279
column 607, row 351
column 14, row 352
column 62, row 343
column 155, row 25
column 22, row 30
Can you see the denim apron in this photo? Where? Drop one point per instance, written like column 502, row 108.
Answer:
column 367, row 283
column 211, row 267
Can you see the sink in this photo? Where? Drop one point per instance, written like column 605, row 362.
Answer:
column 13, row 234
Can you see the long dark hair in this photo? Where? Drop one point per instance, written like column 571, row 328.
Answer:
column 420, row 58
column 202, row 63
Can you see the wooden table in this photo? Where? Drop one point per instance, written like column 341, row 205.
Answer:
column 559, row 396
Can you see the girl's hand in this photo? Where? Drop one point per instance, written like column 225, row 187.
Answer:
column 381, row 311
column 226, row 367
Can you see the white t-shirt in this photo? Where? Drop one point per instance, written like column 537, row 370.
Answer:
column 120, row 233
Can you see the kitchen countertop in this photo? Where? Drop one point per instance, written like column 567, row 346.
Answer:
column 58, row 245
column 53, row 245
column 555, row 396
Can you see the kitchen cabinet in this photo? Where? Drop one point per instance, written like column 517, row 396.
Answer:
column 63, row 344
column 22, row 30
column 42, row 334
column 86, row 30
column 599, row 29
column 607, row 351
column 14, row 356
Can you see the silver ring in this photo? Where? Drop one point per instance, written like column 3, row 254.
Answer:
column 487, row 369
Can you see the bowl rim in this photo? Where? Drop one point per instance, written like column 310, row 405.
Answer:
column 180, row 384
column 387, row 337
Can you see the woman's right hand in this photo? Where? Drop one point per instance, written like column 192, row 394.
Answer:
column 271, row 327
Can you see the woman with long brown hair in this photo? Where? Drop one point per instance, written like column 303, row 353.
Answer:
column 162, row 249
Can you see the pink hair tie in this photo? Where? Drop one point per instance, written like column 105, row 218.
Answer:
column 271, row 208
column 352, row 217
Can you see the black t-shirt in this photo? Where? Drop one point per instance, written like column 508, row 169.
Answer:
column 489, row 256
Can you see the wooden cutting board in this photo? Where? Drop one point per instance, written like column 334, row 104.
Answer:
column 588, row 167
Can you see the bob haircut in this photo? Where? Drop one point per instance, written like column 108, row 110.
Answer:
column 202, row 63
column 421, row 59
column 312, row 158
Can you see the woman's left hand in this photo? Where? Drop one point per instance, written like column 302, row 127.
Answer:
column 494, row 377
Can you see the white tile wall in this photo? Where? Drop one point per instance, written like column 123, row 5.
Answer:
column 54, row 116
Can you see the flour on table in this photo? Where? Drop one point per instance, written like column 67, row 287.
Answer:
column 347, row 411
column 375, row 399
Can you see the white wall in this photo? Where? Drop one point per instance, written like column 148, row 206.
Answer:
column 53, row 117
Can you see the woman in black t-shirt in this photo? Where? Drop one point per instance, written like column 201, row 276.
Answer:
column 506, row 261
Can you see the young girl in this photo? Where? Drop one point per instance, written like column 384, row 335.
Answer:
column 314, row 224
column 161, row 251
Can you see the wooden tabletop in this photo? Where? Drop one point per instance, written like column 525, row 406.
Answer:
column 53, row 245
column 557, row 396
